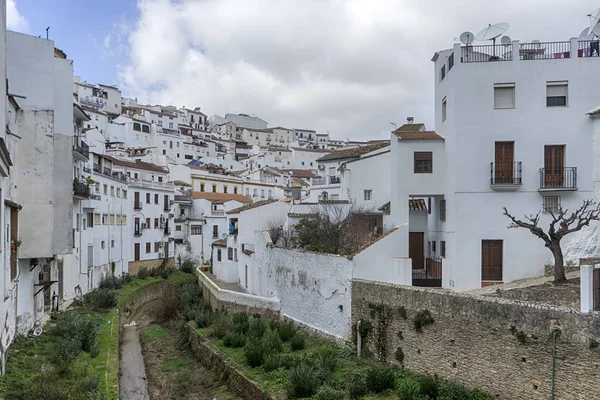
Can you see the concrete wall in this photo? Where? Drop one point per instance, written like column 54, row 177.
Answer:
column 474, row 340
column 371, row 173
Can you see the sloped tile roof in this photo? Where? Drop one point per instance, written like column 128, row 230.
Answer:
column 220, row 243
column 301, row 173
column 411, row 127
column 251, row 206
column 301, row 215
column 421, row 135
column 136, row 164
column 312, row 150
column 353, row 152
column 417, row 205
column 334, row 202
column 222, row 197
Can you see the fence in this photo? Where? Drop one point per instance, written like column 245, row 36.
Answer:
column 431, row 276
column 486, row 53
column 589, row 48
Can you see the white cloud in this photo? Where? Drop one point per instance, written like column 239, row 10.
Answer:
column 15, row 21
column 344, row 66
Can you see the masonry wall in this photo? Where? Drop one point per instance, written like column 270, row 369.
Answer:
column 135, row 266
column 474, row 340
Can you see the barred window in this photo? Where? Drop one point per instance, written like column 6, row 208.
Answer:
column 551, row 204
column 196, row 230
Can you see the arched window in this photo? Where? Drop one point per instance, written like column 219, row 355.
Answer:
column 145, row 128
column 324, row 196
column 136, row 126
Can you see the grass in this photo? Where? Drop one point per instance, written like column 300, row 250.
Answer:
column 152, row 332
column 29, row 356
column 174, row 364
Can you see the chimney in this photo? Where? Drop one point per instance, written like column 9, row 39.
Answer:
column 410, row 120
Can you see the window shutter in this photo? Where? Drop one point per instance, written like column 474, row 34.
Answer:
column 504, row 97
column 557, row 90
column 442, row 210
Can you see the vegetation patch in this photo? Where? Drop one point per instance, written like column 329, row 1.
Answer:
column 422, row 319
column 152, row 332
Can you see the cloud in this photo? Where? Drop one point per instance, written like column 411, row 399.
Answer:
column 15, row 21
column 349, row 67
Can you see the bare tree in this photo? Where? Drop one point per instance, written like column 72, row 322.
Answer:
column 561, row 225
column 280, row 235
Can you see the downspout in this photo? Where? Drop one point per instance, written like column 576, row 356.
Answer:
column 358, row 338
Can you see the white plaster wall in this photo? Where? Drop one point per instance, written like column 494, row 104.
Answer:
column 372, row 173
column 378, row 261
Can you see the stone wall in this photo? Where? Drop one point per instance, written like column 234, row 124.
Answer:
column 565, row 295
column 135, row 266
column 212, row 358
column 502, row 346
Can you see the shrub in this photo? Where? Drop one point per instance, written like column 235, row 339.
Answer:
column 190, row 298
column 303, row 381
column 452, row 391
column 219, row 325
column 329, row 393
column 188, row 267
column 399, row 355
column 88, row 335
column 421, row 319
column 257, row 328
column 143, row 273
column 298, row 342
column 289, row 361
column 326, row 361
column 66, row 352
column 234, row 339
column 240, row 323
column 271, row 362
column 381, row 377
column 286, row 331
column 271, row 342
column 126, row 279
column 112, row 282
column 202, row 318
column 253, row 352
column 428, row 386
column 101, row 298
column 408, row 389
column 357, row 385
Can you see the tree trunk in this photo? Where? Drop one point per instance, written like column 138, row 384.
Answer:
column 559, row 265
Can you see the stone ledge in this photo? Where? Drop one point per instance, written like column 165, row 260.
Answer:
column 212, row 358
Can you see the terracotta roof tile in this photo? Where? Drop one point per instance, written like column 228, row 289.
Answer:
column 417, row 205
column 354, row 152
column 301, row 215
column 312, row 150
column 247, row 252
column 136, row 164
column 411, row 127
column 421, row 135
column 301, row 173
column 333, row 202
column 210, row 196
column 220, row 243
column 251, row 206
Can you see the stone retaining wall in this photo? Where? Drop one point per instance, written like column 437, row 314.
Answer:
column 135, row 266
column 498, row 345
column 212, row 358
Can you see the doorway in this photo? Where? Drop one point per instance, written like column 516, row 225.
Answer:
column 136, row 252
column 554, row 166
column 491, row 260
column 416, row 249
column 504, row 163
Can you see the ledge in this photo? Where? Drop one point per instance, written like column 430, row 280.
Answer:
column 505, row 187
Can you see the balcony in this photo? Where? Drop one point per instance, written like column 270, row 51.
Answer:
column 81, row 151
column 167, row 208
column 81, row 190
column 217, row 213
column 138, row 206
column 319, row 181
column 137, row 232
column 589, row 48
column 167, row 231
column 335, row 179
column 87, row 170
column 505, row 176
column 558, row 179
column 150, row 184
column 97, row 168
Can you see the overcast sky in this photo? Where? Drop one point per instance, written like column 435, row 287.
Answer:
column 349, row 67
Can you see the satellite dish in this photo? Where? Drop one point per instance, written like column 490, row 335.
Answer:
column 492, row 31
column 505, row 40
column 585, row 34
column 596, row 29
column 467, row 38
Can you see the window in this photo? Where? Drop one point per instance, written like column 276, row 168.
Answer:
column 302, row 162
column 442, row 248
column 270, row 194
column 148, row 247
column 97, row 219
column 123, row 219
column 202, row 187
column 156, row 246
column 104, row 219
column 444, row 103
column 155, row 223
column 112, row 219
column 148, row 198
column 145, row 129
column 235, row 190
column 160, row 179
column 551, row 204
column 214, row 187
column 556, row 94
column 196, row 230
column 105, row 189
column 433, row 249
column 504, row 95
column 118, row 192
column 178, row 144
column 219, row 255
column 112, row 191
column 429, row 205
column 170, row 125
column 164, row 142
column 137, row 127
column 170, row 144
column 224, row 188
column 112, row 243
column 177, row 228
column 124, row 193
column 156, row 198
column 368, row 194
column 159, row 123
column 247, row 192
column 189, row 157
column 215, row 231
column 442, row 73
column 442, row 210
column 423, row 162
column 164, row 152
column 262, row 193
column 230, row 253
column 177, row 155
column 90, row 220
column 103, row 244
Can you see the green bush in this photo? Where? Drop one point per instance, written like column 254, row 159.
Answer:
column 408, row 389
column 271, row 342
column 188, row 267
column 271, row 362
column 112, row 283
column 77, row 331
column 219, row 325
column 66, row 352
column 325, row 361
column 289, row 361
column 88, row 335
column 143, row 273
column 381, row 377
column 422, row 319
column 126, row 279
column 202, row 318
column 257, row 328
column 101, row 298
column 329, row 393
column 240, row 323
column 234, row 339
column 399, row 355
column 286, row 331
column 303, row 381
column 357, row 385
column 254, row 353
column 298, row 342
column 428, row 386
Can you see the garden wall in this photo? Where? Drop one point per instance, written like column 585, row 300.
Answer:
column 502, row 346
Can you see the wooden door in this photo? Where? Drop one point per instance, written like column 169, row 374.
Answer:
column 554, row 166
column 504, row 162
column 166, row 255
column 596, row 291
column 416, row 249
column 136, row 199
column 491, row 260
column 136, row 252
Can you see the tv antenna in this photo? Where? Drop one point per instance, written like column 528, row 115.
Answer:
column 47, row 29
column 492, row 32
column 467, row 38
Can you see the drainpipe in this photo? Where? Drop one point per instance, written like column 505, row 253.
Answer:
column 358, row 338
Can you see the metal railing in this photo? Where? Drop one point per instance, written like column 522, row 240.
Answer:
column 81, row 147
column 81, row 189
column 180, row 197
column 318, row 181
column 106, row 171
column 87, row 170
column 151, row 184
column 486, row 53
column 97, row 168
column 589, row 48
column 137, row 231
column 430, row 276
column 544, row 50
column 138, row 206
column 558, row 178
column 218, row 213
column 505, row 173
column 167, row 231
column 335, row 179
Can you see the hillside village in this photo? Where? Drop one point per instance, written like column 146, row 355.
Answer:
column 96, row 184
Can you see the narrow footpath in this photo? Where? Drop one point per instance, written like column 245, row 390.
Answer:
column 133, row 382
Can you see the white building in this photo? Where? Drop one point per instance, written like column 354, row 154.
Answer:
column 306, row 158
column 98, row 97
column 240, row 120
